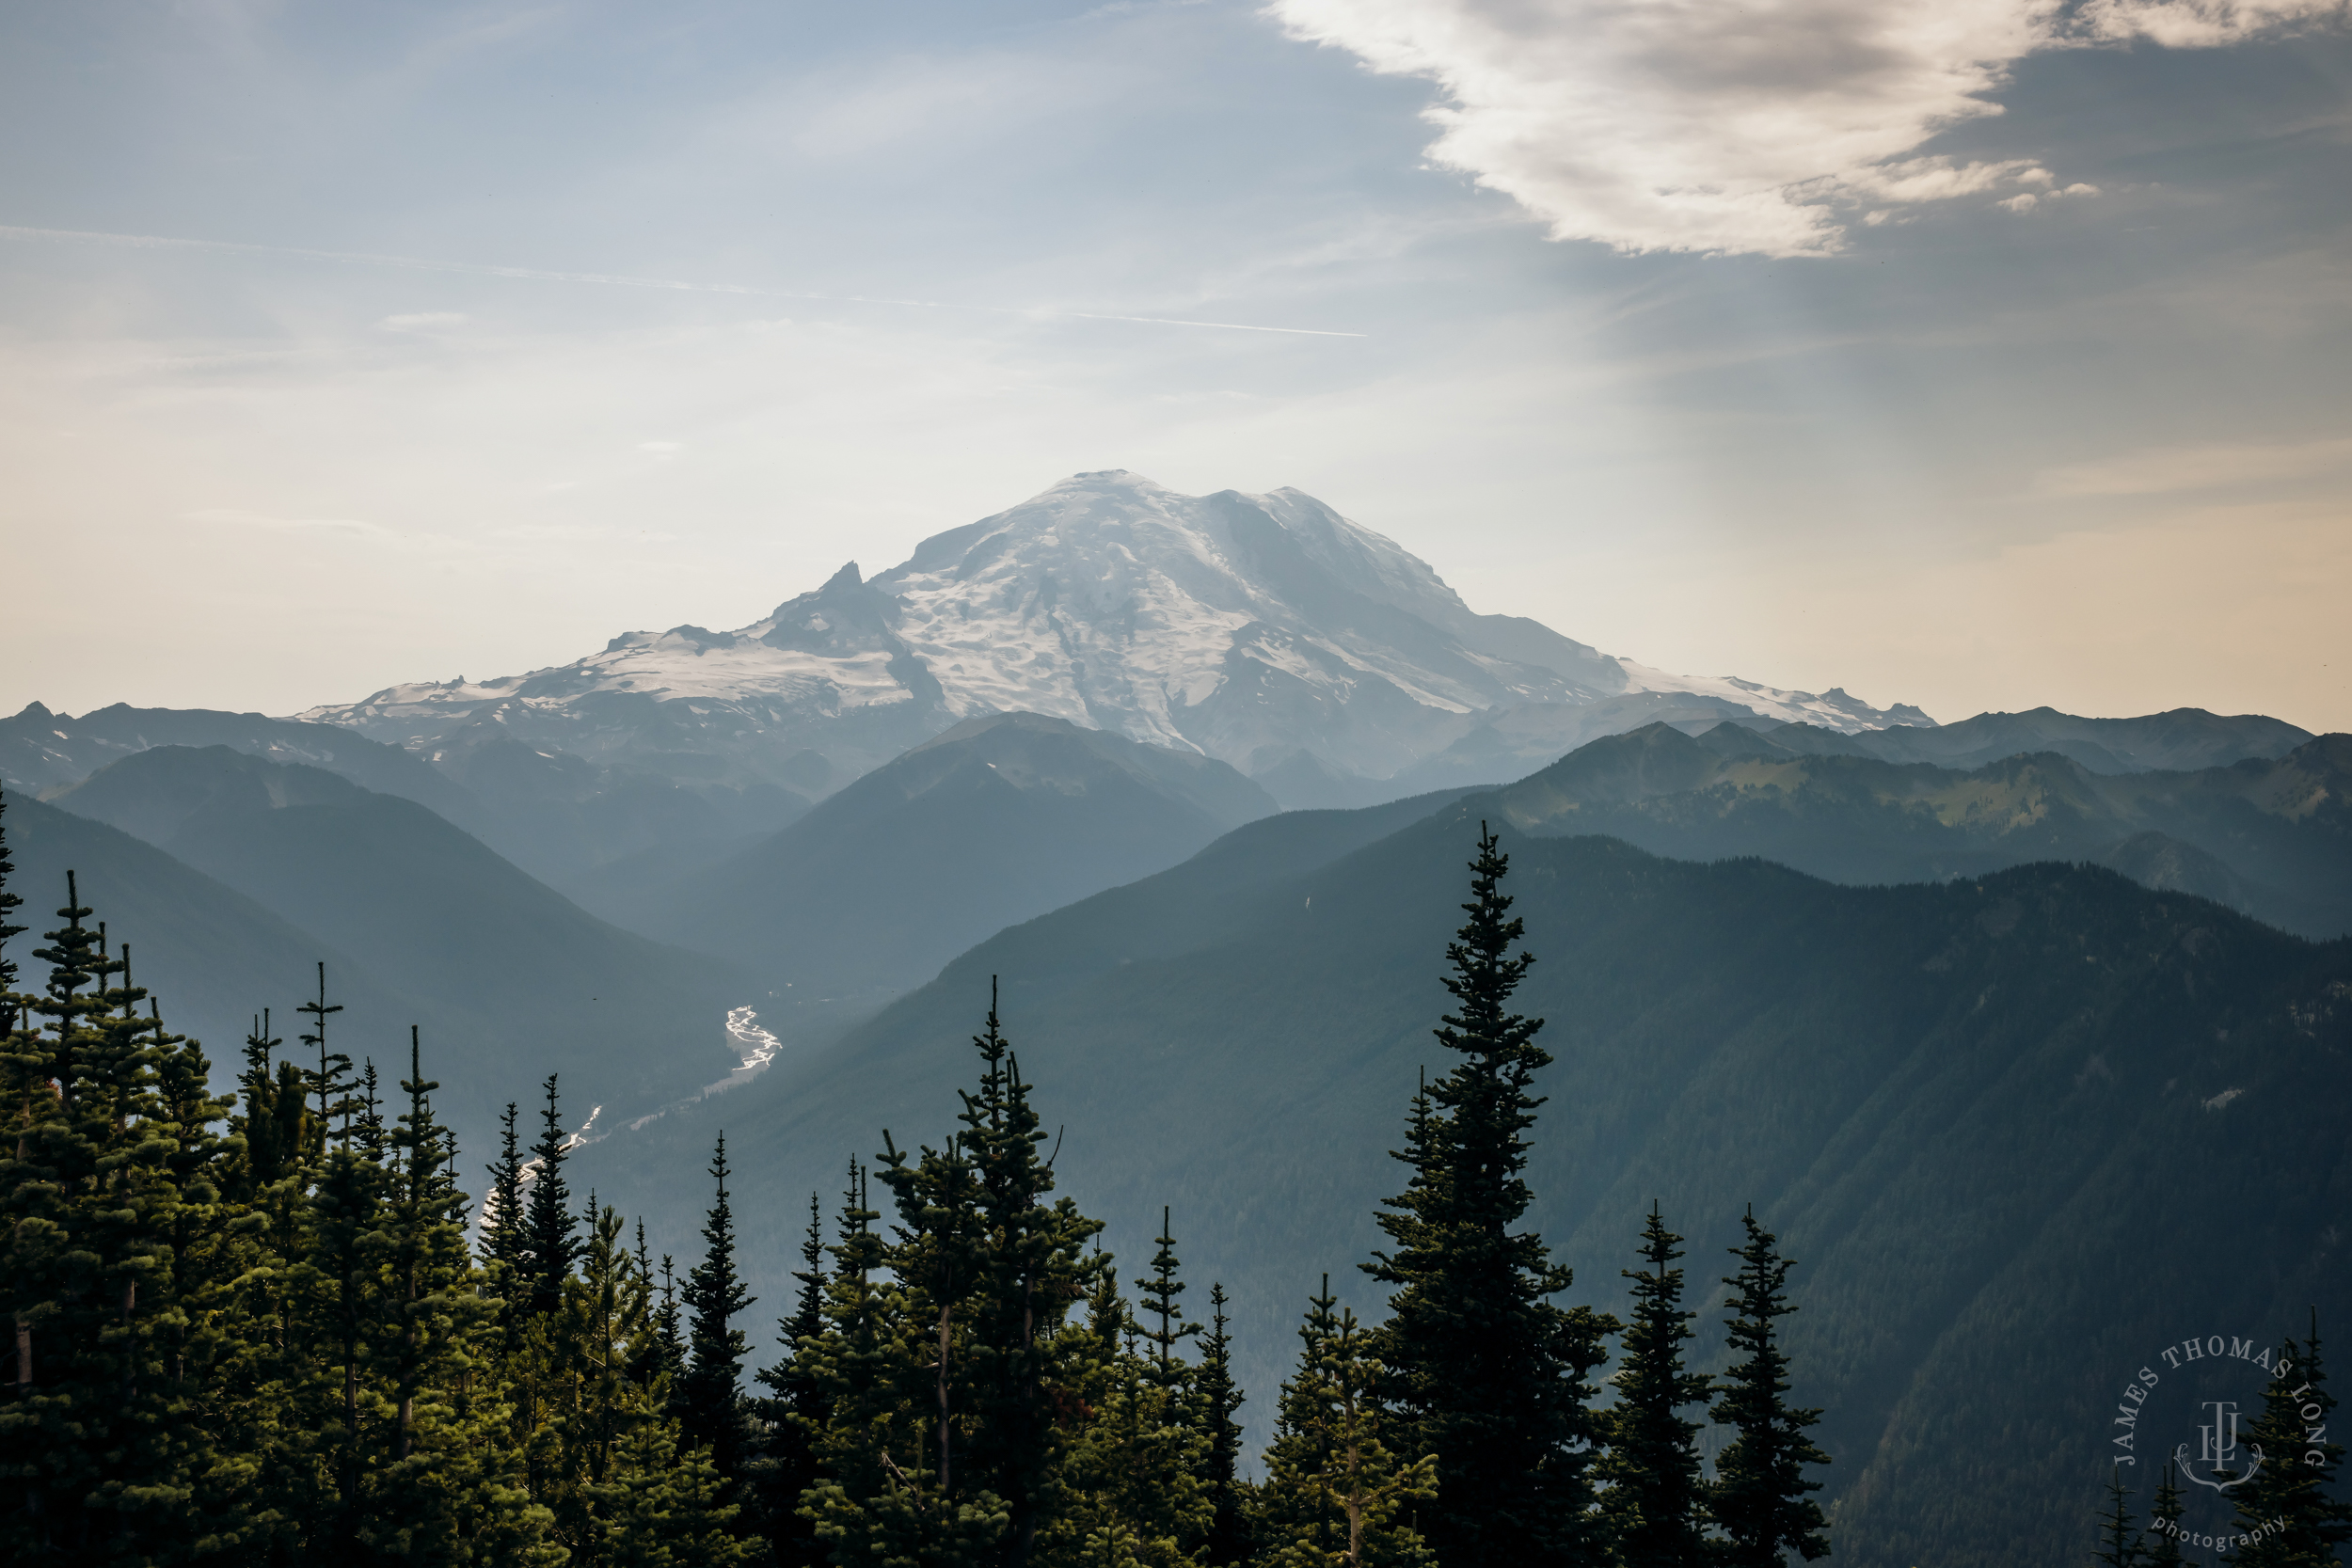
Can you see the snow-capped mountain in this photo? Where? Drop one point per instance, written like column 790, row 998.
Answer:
column 1249, row 627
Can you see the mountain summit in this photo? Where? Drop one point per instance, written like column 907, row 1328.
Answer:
column 1249, row 627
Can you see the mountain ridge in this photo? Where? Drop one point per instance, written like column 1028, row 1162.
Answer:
column 2273, row 835
column 523, row 979
column 1000, row 819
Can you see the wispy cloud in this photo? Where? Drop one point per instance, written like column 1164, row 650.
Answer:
column 1730, row 126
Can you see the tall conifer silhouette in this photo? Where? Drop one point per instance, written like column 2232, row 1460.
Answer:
column 796, row 1410
column 710, row 1406
column 1490, row 1376
column 1219, row 1400
column 549, row 1226
column 1656, row 1497
column 1159, row 1290
column 2118, row 1543
column 2161, row 1541
column 1762, row 1497
column 2289, row 1505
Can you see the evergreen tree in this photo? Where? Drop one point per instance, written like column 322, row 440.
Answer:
column 1033, row 1268
column 1335, row 1494
column 2164, row 1524
column 2118, row 1543
column 669, row 1334
column 2288, row 1507
column 795, row 1412
column 1760, row 1493
column 1487, row 1375
column 1656, row 1497
column 984, row 1268
column 1128, row 1481
column 332, row 1083
column 84, row 1445
column 665, row 1507
column 446, row 1487
column 869, row 1509
column 9, row 903
column 1159, row 1290
column 549, row 1226
column 343, row 1292
column 1217, row 1402
column 505, row 1246
column 710, row 1404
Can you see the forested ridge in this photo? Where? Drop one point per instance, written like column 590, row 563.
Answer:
column 263, row 1326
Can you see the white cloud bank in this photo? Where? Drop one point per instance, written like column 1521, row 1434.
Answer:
column 1759, row 126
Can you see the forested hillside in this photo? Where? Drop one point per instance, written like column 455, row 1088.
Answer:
column 2007, row 1122
column 253, row 1327
column 2273, row 836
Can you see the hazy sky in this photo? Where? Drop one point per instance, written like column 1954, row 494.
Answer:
column 1979, row 354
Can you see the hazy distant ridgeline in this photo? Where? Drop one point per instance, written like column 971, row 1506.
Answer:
column 2270, row 836
column 512, row 980
column 1965, row 1106
column 998, row 820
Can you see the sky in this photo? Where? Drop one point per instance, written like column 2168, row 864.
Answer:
column 1975, row 354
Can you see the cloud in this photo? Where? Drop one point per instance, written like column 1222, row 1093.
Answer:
column 2204, row 23
column 1727, row 126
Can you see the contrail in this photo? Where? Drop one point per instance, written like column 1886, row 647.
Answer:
column 418, row 263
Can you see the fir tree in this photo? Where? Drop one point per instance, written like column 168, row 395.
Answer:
column 936, row 1256
column 549, row 1226
column 1033, row 1268
column 2118, row 1543
column 2288, row 1507
column 367, row 1128
column 505, row 1245
column 1159, row 1290
column 2164, row 1524
column 982, row 1257
column 446, row 1487
column 710, row 1405
column 1127, row 1483
column 1219, row 1401
column 1488, row 1376
column 1654, row 1504
column 341, row 1278
column 868, row 1509
column 1761, row 1493
column 332, row 1083
column 795, row 1413
column 1335, row 1494
column 102, row 1451
column 669, row 1336
column 275, row 1123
